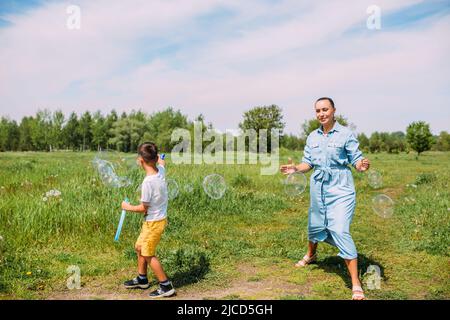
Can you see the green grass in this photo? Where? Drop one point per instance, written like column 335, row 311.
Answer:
column 207, row 240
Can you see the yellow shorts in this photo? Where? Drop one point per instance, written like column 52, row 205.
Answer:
column 151, row 233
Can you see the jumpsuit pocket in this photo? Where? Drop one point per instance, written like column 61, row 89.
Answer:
column 335, row 148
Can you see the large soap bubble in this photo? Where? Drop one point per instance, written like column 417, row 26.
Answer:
column 295, row 184
column 375, row 179
column 129, row 162
column 172, row 188
column 214, row 186
column 383, row 206
column 107, row 173
column 188, row 187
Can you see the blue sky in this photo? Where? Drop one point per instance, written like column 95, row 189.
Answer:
column 211, row 56
column 15, row 7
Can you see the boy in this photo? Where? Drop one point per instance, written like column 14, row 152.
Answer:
column 154, row 200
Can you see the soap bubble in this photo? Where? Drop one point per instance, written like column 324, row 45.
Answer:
column 172, row 188
column 130, row 162
column 106, row 163
column 106, row 172
column 214, row 186
column 138, row 193
column 295, row 184
column 188, row 187
column 123, row 182
column 111, row 156
column 383, row 206
column 375, row 179
column 108, row 175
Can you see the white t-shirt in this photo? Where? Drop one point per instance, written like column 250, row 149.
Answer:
column 154, row 195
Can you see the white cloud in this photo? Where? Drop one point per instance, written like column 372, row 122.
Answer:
column 381, row 80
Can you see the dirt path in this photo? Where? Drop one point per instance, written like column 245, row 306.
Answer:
column 247, row 286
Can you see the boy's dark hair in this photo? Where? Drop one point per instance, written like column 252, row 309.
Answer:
column 148, row 151
column 326, row 98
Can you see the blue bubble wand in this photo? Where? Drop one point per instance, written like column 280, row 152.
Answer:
column 119, row 227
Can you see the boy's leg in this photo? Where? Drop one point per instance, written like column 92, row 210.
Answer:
column 156, row 268
column 142, row 263
column 141, row 280
column 165, row 285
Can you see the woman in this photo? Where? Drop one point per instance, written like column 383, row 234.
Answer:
column 329, row 150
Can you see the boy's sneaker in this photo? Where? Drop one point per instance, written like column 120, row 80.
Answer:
column 137, row 283
column 163, row 291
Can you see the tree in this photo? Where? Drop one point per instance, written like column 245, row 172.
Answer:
column 397, row 142
column 263, row 117
column 99, row 131
column 8, row 135
column 109, row 123
column 56, row 131
column 419, row 136
column 13, row 136
column 71, row 132
column 384, row 141
column 292, row 142
column 25, row 142
column 40, row 130
column 161, row 124
column 375, row 142
column 442, row 142
column 364, row 142
column 127, row 133
column 84, row 128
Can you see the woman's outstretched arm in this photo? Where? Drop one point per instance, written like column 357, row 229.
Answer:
column 290, row 167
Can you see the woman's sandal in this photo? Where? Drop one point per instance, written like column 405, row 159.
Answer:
column 306, row 260
column 358, row 293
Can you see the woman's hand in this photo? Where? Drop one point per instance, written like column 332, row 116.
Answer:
column 288, row 168
column 363, row 165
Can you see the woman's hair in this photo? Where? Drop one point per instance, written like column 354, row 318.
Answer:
column 148, row 151
column 326, row 98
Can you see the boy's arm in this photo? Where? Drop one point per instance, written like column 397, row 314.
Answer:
column 145, row 200
column 161, row 160
column 140, row 208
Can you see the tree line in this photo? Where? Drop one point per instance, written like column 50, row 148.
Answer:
column 48, row 131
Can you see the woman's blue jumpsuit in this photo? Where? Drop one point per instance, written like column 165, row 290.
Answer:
column 333, row 196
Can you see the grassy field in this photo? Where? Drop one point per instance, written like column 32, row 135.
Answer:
column 242, row 246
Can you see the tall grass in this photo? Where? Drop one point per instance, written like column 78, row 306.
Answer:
column 255, row 219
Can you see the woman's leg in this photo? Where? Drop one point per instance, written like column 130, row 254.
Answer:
column 308, row 258
column 312, row 247
column 352, row 266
